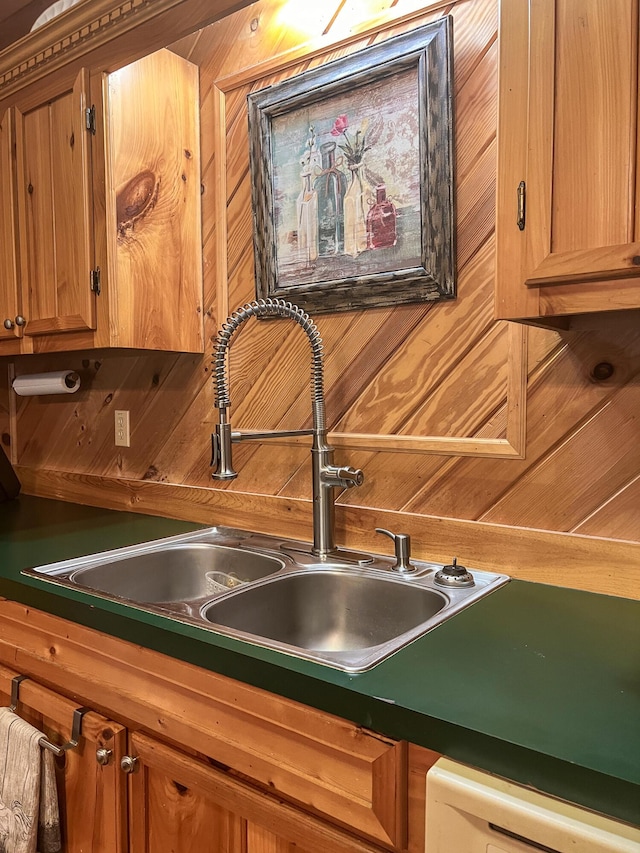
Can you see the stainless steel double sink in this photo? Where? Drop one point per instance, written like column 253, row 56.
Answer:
column 349, row 613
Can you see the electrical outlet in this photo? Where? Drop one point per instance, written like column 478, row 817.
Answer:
column 123, row 432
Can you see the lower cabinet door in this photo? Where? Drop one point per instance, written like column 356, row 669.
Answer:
column 92, row 791
column 181, row 803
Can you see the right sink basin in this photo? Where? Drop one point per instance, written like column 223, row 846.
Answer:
column 328, row 610
column 348, row 618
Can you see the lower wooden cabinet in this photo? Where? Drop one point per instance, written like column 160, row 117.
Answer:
column 92, row 796
column 198, row 761
column 181, row 803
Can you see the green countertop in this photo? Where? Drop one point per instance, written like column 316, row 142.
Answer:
column 535, row 683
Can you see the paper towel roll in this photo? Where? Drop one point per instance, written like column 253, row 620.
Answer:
column 36, row 384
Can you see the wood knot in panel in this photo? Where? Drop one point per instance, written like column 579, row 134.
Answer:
column 135, row 200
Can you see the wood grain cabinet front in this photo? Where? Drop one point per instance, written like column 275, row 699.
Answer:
column 10, row 299
column 568, row 232
column 181, row 803
column 100, row 212
column 215, row 764
column 92, row 795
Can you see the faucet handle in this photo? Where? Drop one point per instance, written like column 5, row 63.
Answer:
column 402, row 546
column 342, row 477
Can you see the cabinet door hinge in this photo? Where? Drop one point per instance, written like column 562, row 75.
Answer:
column 90, row 119
column 522, row 194
column 94, row 281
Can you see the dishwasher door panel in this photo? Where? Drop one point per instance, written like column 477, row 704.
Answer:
column 469, row 811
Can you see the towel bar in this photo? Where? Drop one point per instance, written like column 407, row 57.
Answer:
column 76, row 726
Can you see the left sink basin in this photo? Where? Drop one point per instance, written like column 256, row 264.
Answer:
column 174, row 571
column 177, row 573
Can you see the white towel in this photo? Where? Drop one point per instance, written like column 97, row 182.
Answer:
column 29, row 819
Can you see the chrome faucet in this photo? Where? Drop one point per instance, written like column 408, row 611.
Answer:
column 325, row 475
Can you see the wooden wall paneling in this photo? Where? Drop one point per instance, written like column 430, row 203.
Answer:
column 276, row 468
column 185, row 456
column 618, row 515
column 475, row 22
column 213, row 203
column 475, row 202
column 423, row 359
column 123, row 384
column 479, row 378
column 541, row 343
column 355, row 363
column 237, row 149
column 270, row 399
column 161, row 418
column 591, row 463
column 476, row 116
column 286, row 373
column 393, row 478
column 51, row 431
column 491, row 132
column 80, row 428
column 561, row 394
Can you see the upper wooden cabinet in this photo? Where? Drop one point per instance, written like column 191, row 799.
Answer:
column 568, row 236
column 54, row 204
column 9, row 297
column 100, row 212
column 153, row 213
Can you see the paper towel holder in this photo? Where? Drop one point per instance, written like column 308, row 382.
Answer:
column 39, row 384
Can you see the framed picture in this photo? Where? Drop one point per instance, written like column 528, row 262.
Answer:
column 352, row 178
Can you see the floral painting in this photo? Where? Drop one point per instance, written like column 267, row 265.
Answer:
column 346, row 183
column 352, row 183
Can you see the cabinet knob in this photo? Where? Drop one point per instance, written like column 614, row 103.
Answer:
column 8, row 323
column 103, row 756
column 129, row 763
column 20, row 321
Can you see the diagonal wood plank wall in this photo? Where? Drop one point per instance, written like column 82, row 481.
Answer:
column 418, row 370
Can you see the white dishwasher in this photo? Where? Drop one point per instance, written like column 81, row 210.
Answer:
column 469, row 811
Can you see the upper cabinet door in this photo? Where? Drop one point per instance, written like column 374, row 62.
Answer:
column 568, row 234
column 55, row 213
column 153, row 203
column 9, row 302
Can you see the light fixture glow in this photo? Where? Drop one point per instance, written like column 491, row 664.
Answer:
column 309, row 19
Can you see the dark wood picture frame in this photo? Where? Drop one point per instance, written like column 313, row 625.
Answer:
column 401, row 94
